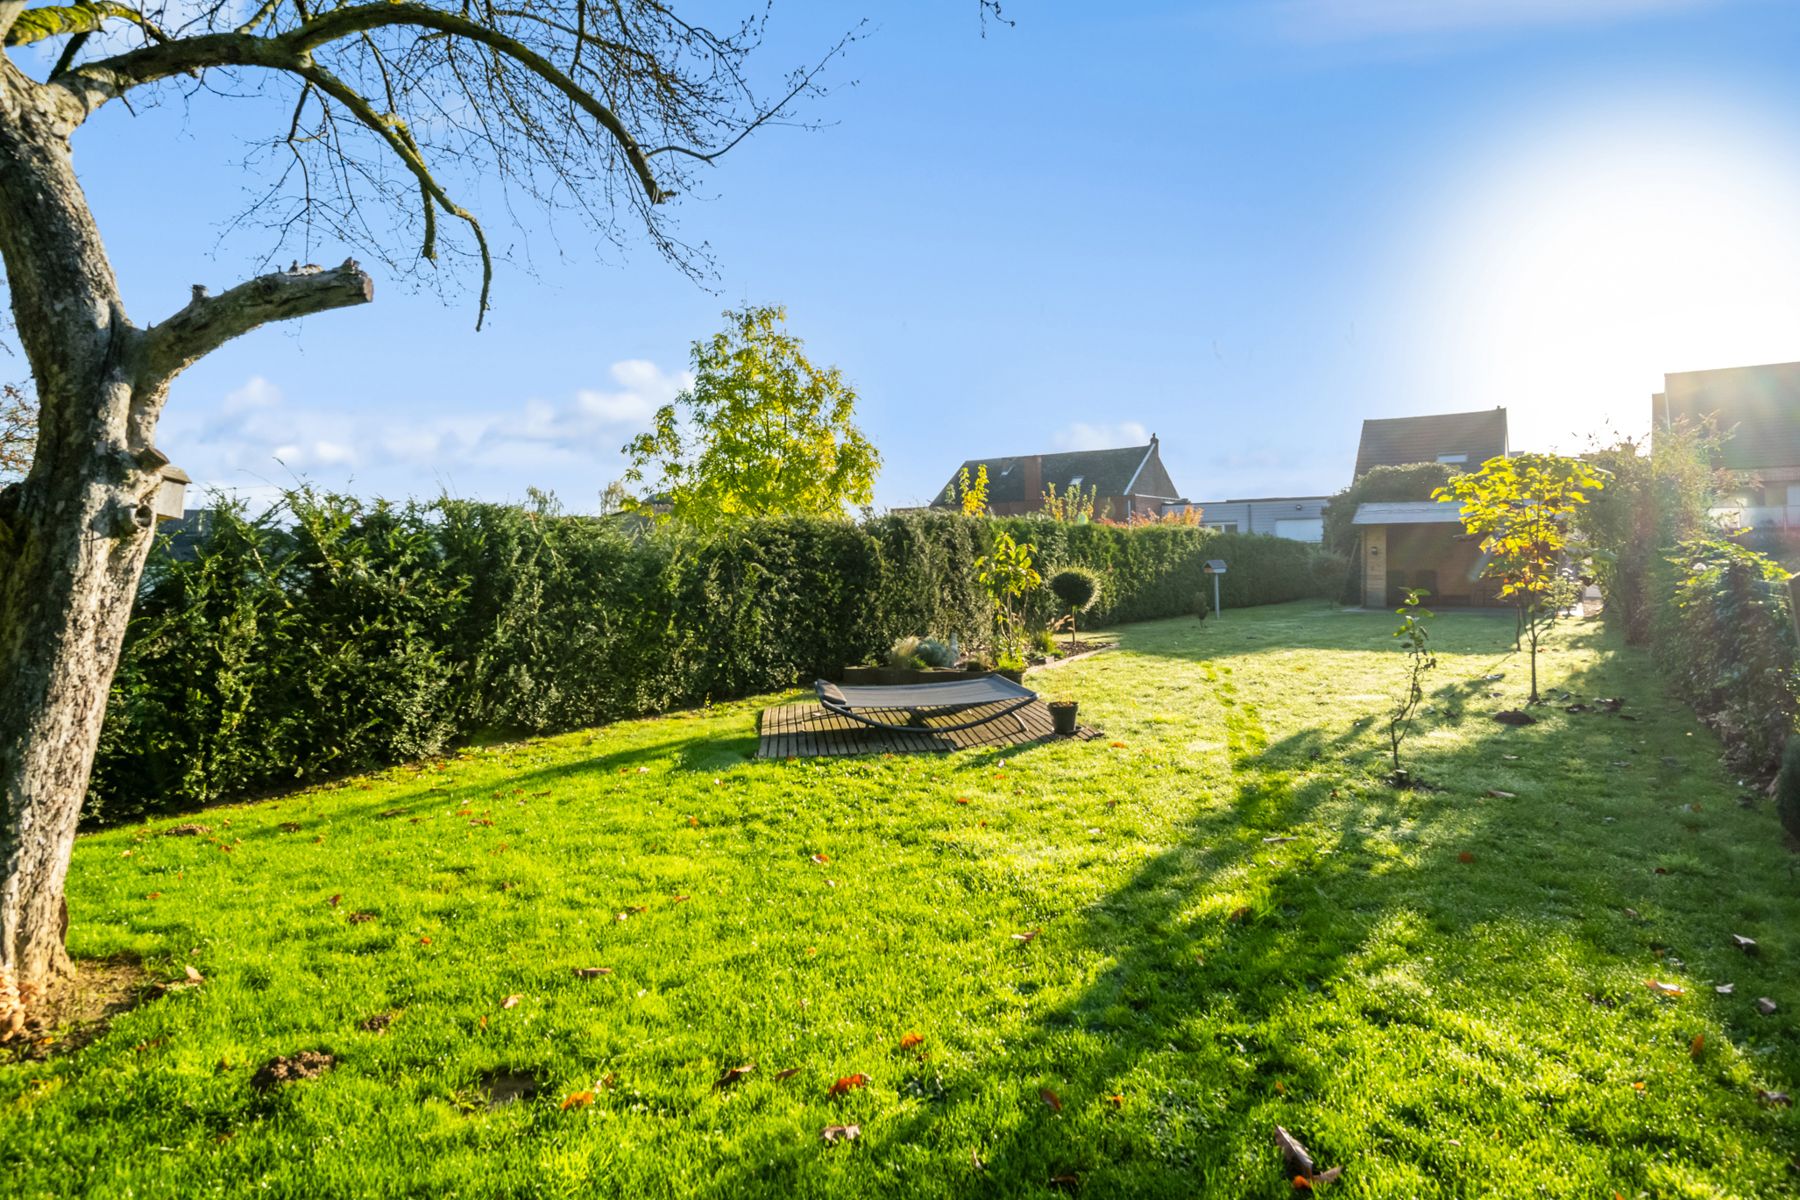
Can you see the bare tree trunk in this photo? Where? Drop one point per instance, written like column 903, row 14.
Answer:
column 73, row 536
column 75, row 533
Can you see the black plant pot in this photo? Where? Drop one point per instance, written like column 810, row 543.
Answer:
column 1062, row 716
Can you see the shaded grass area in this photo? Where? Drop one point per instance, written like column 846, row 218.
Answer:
column 1445, row 992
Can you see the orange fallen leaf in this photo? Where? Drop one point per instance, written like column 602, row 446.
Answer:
column 424, row 941
column 821, row 859
column 681, row 899
column 1026, row 938
column 577, row 1100
column 694, row 821
column 1697, row 1047
column 1466, row 857
column 1118, row 745
column 848, row 1083
column 152, row 895
column 1050, row 1098
column 512, row 1001
column 962, row 799
column 909, row 1040
column 1116, row 1100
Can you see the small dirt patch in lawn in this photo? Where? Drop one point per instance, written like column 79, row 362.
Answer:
column 505, row 1087
column 308, row 1064
column 80, row 1009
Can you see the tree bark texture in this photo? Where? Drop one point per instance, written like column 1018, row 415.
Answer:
column 75, row 533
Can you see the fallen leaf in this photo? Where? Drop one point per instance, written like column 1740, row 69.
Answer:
column 1779, row 1098
column 962, row 799
column 1666, row 989
column 592, row 972
column 787, row 1074
column 512, row 1001
column 1725, row 989
column 193, row 975
column 733, row 1075
column 1466, row 857
column 1293, row 1153
column 694, row 821
column 1118, row 745
column 1026, row 938
column 1497, row 794
column 334, row 900
column 424, row 941
column 848, row 1083
column 1116, row 1100
column 1050, row 1098
column 577, row 1100
column 1766, row 1006
column 840, row 1133
column 152, row 895
column 1330, row 1176
column 1747, row 945
column 821, row 859
column 1697, row 1047
column 1240, row 914
column 1275, row 841
column 908, row 1041
column 681, row 899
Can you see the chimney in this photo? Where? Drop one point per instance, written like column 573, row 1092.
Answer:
column 1032, row 472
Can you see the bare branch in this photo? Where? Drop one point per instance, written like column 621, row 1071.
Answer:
column 208, row 322
column 61, row 20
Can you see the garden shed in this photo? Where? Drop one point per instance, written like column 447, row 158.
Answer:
column 1419, row 544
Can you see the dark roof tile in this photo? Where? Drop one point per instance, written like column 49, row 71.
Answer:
column 1399, row 441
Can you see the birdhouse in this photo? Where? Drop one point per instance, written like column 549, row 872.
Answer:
column 1214, row 566
column 171, row 495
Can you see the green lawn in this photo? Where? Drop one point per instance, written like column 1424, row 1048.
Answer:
column 1443, row 992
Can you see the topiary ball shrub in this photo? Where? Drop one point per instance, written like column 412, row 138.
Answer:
column 1076, row 587
column 1787, row 786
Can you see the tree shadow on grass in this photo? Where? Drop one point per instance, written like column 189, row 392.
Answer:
column 1308, row 892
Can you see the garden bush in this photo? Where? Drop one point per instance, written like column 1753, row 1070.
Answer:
column 334, row 634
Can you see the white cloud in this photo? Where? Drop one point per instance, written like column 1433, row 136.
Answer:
column 1082, row 436
column 253, row 433
column 1348, row 20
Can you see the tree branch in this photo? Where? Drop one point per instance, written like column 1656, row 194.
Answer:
column 208, row 322
column 59, row 20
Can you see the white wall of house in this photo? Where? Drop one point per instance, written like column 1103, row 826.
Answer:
column 1297, row 518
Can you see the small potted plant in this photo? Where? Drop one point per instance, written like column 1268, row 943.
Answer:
column 1062, row 715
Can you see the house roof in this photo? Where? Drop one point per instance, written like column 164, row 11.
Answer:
column 1407, row 512
column 1109, row 472
column 1399, row 441
column 1758, row 409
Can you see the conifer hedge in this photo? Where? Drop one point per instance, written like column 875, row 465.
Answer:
column 333, row 634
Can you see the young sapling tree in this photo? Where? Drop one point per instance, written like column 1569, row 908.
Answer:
column 1415, row 640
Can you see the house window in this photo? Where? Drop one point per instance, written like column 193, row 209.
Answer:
column 1453, row 459
column 1224, row 526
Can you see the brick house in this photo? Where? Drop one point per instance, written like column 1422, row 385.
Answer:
column 1130, row 481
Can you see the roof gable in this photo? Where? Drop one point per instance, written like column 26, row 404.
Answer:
column 1400, row 441
column 1758, row 411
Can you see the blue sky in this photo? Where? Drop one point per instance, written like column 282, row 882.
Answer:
column 1244, row 226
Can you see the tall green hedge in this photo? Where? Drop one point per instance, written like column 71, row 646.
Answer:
column 335, row 634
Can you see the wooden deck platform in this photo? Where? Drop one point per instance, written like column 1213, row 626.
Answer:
column 808, row 731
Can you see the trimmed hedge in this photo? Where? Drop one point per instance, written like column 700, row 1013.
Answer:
column 333, row 634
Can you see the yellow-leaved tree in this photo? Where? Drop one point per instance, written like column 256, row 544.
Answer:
column 1522, row 509
column 761, row 432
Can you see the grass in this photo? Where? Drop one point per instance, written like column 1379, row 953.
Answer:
column 1444, row 992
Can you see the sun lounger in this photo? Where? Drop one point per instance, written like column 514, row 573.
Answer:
column 922, row 700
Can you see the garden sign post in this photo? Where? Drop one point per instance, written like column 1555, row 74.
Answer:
column 1214, row 567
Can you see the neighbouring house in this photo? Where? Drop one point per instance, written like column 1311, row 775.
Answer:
column 1419, row 544
column 1130, row 481
column 1758, row 415
column 1465, row 439
column 1297, row 518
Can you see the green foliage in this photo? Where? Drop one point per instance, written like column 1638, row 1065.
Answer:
column 332, row 635
column 1654, row 499
column 904, row 653
column 934, row 653
column 1076, row 588
column 1415, row 640
column 1787, row 785
column 761, row 433
column 1522, row 508
column 1729, row 645
column 1009, row 574
column 1379, row 484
